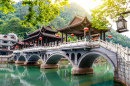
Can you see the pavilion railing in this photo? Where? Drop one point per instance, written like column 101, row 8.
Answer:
column 70, row 44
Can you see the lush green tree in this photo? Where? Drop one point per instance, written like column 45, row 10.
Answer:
column 47, row 10
column 14, row 25
column 1, row 22
column 109, row 8
column 6, row 6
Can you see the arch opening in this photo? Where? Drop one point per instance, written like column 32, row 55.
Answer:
column 88, row 59
column 15, row 58
column 67, row 54
column 55, row 58
column 72, row 57
column 78, row 56
column 33, row 59
column 21, row 58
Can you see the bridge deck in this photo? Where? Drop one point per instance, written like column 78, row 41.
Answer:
column 80, row 44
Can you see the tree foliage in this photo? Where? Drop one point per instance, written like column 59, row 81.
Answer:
column 47, row 10
column 6, row 6
column 109, row 9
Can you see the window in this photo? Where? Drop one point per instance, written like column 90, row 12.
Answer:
column 12, row 42
column 12, row 37
column 5, row 36
column 5, row 42
column 5, row 47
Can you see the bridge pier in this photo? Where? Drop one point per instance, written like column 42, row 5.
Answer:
column 19, row 62
column 49, row 66
column 31, row 63
column 80, row 71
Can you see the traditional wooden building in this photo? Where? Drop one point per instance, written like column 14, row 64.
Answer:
column 77, row 25
column 45, row 36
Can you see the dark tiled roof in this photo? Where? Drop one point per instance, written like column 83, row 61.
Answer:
column 78, row 23
column 44, row 34
column 44, row 27
column 50, row 29
column 75, row 24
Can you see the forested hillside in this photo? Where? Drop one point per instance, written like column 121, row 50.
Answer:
column 11, row 22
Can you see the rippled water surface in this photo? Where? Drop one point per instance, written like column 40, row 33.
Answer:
column 15, row 75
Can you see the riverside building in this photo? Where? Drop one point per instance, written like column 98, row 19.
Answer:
column 6, row 43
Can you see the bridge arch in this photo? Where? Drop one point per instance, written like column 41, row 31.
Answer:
column 14, row 58
column 21, row 58
column 34, row 58
column 55, row 57
column 87, row 59
column 78, row 56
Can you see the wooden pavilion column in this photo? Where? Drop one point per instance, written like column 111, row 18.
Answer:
column 33, row 43
column 89, row 34
column 84, row 35
column 42, row 42
column 104, row 36
column 57, row 42
column 101, row 35
column 66, row 37
column 21, row 46
column 81, row 37
column 46, row 41
column 38, row 42
column 54, row 42
column 78, row 37
column 24, row 45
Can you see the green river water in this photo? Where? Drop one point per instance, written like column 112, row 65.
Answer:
column 16, row 75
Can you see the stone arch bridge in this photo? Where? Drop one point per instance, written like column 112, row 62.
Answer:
column 81, row 55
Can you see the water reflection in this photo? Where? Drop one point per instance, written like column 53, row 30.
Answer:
column 15, row 75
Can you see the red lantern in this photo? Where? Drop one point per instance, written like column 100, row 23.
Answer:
column 30, row 42
column 109, row 36
column 57, row 36
column 16, row 47
column 86, row 29
column 21, row 43
column 35, row 41
column 72, row 35
column 40, row 38
column 26, row 43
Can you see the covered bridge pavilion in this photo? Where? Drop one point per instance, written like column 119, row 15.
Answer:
column 45, row 36
column 77, row 25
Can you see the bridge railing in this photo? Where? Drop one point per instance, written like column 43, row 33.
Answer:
column 6, row 56
column 70, row 44
column 116, row 48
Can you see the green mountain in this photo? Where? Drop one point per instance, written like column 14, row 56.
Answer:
column 11, row 22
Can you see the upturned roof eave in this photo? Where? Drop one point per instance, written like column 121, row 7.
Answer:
column 54, row 31
column 44, row 34
column 73, row 25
